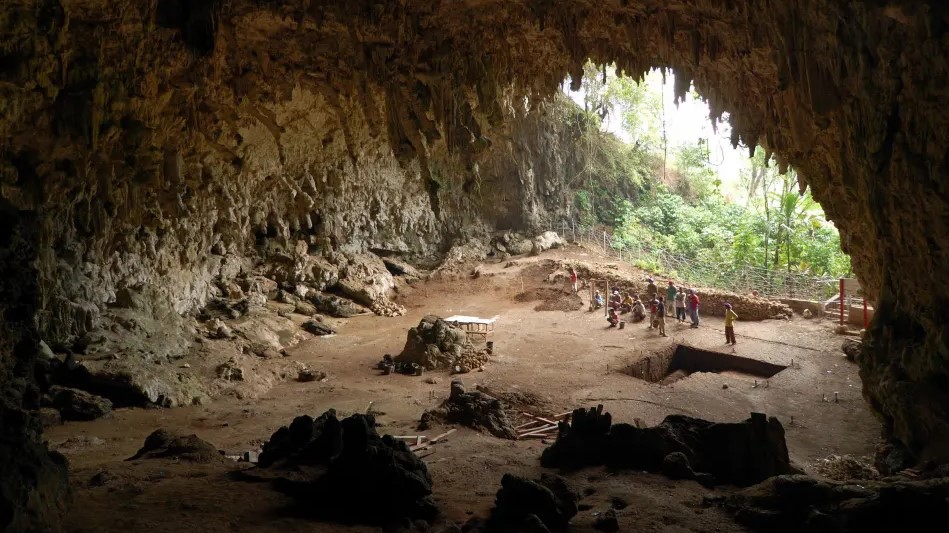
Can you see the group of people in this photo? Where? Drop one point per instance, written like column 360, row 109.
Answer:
column 679, row 302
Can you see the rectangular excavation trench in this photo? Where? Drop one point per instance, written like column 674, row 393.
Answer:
column 677, row 362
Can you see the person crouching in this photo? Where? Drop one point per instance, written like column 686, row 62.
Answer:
column 613, row 318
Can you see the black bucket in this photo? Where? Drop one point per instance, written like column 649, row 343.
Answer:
column 490, row 347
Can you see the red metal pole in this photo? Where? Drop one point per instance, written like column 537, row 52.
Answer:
column 864, row 312
column 841, row 301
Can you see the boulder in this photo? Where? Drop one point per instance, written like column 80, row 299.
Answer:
column 399, row 267
column 741, row 453
column 318, row 327
column 852, row 349
column 546, row 241
column 365, row 279
column 550, row 499
column 335, row 306
column 74, row 404
column 363, row 478
column 164, row 444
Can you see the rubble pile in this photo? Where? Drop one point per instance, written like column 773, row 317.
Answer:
column 435, row 343
column 386, row 307
column 473, row 409
column 681, row 447
column 355, row 476
column 801, row 503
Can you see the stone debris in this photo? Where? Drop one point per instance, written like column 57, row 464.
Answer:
column 399, row 267
column 472, row 409
column 362, row 477
column 335, row 306
column 681, row 447
column 74, row 404
column 164, row 444
column 386, row 307
column 846, row 467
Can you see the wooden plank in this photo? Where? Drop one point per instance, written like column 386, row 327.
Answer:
column 531, row 423
column 544, row 429
column 562, row 415
column 544, row 420
column 538, row 436
column 442, row 436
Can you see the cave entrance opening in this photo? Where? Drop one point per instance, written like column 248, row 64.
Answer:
column 677, row 362
column 672, row 188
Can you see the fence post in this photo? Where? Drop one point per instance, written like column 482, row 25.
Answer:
column 604, row 241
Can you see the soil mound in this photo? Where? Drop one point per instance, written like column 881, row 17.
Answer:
column 552, row 299
column 472, row 409
column 521, row 503
column 344, row 471
column 681, row 447
column 163, row 444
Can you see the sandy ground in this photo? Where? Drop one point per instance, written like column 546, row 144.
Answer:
column 565, row 359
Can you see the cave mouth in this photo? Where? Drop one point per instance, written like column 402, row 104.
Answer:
column 681, row 361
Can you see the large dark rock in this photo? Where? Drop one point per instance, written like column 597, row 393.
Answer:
column 163, row 444
column 74, row 404
column 473, row 409
column 550, row 499
column 359, row 477
column 683, row 447
column 801, row 503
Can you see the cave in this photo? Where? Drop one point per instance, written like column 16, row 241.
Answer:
column 151, row 149
column 681, row 361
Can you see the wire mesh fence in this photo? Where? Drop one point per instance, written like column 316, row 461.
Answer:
column 734, row 277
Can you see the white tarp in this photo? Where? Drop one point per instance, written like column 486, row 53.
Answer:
column 470, row 319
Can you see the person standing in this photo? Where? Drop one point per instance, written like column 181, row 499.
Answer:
column 651, row 290
column 670, row 297
column 661, row 317
column 730, row 318
column 680, row 305
column 693, row 303
column 653, row 309
column 573, row 279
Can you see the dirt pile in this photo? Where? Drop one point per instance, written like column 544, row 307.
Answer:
column 473, row 409
column 552, row 299
column 163, row 444
column 435, row 343
column 681, row 447
column 800, row 503
column 713, row 301
column 344, row 471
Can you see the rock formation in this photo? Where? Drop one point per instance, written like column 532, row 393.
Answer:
column 157, row 147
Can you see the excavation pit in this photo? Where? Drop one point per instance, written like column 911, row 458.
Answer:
column 680, row 361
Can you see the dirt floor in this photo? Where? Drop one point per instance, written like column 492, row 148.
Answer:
column 560, row 358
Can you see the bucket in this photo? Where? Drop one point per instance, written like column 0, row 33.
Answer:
column 622, row 324
column 386, row 370
column 490, row 347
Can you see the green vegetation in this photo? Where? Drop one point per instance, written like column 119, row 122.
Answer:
column 666, row 202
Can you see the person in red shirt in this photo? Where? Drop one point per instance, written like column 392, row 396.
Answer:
column 573, row 279
column 692, row 301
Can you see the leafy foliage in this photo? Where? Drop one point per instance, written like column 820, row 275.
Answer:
column 779, row 228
